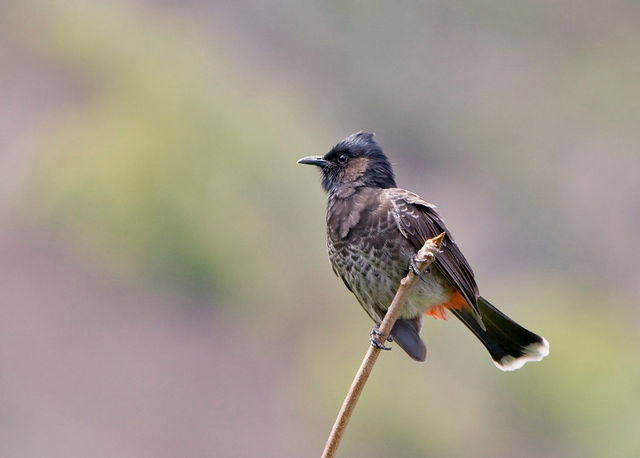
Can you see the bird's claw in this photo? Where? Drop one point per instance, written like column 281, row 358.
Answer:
column 373, row 338
column 416, row 271
column 376, row 332
column 375, row 343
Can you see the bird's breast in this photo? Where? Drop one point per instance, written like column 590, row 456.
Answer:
column 373, row 260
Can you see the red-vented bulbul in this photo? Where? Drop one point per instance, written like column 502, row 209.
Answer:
column 374, row 230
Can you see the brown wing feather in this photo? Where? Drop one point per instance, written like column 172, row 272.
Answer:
column 419, row 221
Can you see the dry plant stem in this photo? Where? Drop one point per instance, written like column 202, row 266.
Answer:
column 424, row 258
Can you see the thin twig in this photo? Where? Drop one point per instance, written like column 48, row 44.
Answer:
column 424, row 258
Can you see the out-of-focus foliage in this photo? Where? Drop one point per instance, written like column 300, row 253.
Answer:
column 172, row 163
column 161, row 140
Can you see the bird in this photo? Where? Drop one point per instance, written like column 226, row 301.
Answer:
column 374, row 230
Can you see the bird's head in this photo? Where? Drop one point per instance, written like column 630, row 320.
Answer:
column 355, row 160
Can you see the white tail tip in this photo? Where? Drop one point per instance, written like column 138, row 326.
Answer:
column 533, row 352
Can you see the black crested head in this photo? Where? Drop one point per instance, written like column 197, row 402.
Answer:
column 356, row 160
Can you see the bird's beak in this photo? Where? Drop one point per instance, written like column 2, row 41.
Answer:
column 313, row 160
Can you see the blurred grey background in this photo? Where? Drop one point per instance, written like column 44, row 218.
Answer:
column 165, row 288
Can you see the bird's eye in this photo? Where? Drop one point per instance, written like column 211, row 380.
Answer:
column 342, row 158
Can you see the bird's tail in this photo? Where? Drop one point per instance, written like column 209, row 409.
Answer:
column 509, row 344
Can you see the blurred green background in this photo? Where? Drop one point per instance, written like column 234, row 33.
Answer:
column 165, row 288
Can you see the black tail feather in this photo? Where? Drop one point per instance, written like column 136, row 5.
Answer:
column 509, row 344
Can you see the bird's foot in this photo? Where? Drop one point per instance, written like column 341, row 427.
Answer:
column 373, row 338
column 376, row 332
column 416, row 271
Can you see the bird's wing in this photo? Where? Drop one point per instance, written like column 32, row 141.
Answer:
column 419, row 221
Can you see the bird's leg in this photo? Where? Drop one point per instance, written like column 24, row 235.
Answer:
column 373, row 338
column 416, row 271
